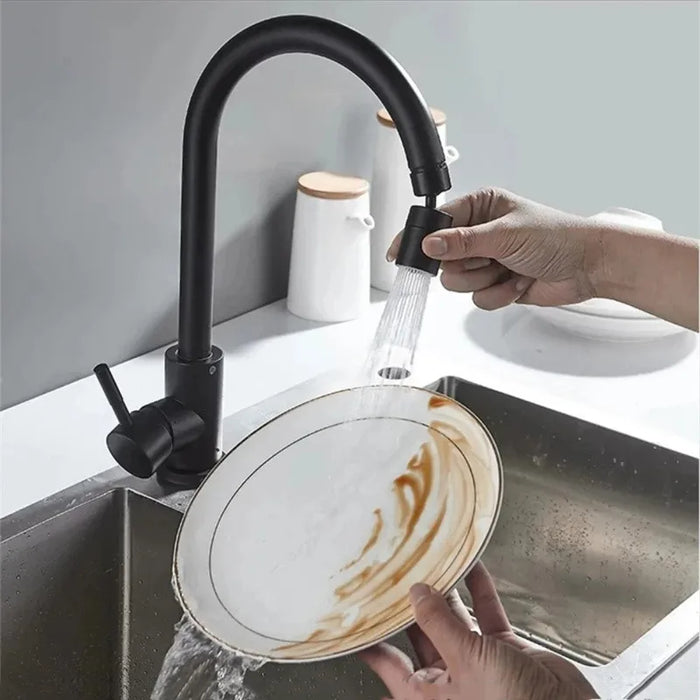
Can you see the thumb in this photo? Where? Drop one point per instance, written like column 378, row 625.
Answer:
column 482, row 241
column 442, row 627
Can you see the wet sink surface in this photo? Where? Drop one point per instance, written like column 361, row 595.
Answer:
column 87, row 608
column 596, row 542
column 597, row 538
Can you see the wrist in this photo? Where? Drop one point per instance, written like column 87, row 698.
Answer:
column 611, row 267
column 653, row 271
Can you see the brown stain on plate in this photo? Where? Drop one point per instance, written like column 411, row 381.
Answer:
column 436, row 401
column 434, row 490
column 374, row 536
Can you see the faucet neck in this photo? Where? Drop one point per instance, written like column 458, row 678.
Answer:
column 273, row 37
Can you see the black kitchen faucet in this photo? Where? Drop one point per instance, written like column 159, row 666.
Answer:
column 179, row 436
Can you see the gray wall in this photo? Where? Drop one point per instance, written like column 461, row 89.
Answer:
column 582, row 105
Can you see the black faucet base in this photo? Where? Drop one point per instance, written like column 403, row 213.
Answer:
column 182, row 480
column 199, row 386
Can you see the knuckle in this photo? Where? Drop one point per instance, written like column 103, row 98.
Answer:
column 495, row 193
column 462, row 241
column 454, row 205
column 485, row 202
column 484, row 197
column 497, row 201
column 487, row 192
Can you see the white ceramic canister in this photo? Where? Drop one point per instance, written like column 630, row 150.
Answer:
column 392, row 194
column 329, row 269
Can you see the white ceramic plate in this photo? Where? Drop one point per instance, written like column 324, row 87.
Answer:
column 303, row 542
column 612, row 322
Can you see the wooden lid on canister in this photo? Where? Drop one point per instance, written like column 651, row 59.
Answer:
column 332, row 186
column 385, row 119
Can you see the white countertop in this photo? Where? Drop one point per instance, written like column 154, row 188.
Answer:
column 649, row 390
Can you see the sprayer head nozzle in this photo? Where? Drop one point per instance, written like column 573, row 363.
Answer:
column 421, row 221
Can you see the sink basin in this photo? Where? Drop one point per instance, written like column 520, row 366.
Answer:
column 87, row 608
column 598, row 534
column 88, row 611
column 596, row 543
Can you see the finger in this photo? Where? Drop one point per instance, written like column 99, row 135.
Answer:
column 458, row 243
column 473, row 281
column 436, row 619
column 493, row 239
column 426, row 652
column 480, row 206
column 394, row 248
column 460, row 610
column 502, row 294
column 390, row 664
column 466, row 265
column 488, row 608
column 430, row 677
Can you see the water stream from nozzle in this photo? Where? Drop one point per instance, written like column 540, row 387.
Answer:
column 393, row 349
column 394, row 345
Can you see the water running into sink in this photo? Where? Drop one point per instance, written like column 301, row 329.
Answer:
column 196, row 667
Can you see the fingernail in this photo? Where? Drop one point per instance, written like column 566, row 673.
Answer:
column 418, row 592
column 435, row 245
column 522, row 284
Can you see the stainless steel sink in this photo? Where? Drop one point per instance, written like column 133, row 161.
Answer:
column 596, row 543
column 87, row 609
column 598, row 535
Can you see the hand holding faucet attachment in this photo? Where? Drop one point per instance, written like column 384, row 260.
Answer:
column 194, row 367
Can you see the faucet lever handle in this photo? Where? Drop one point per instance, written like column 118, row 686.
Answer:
column 146, row 438
column 113, row 395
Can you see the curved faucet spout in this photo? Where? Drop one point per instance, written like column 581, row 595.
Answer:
column 179, row 437
column 273, row 37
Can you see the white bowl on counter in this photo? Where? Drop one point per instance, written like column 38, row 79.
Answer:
column 607, row 319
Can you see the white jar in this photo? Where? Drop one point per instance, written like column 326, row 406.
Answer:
column 329, row 269
column 392, row 194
